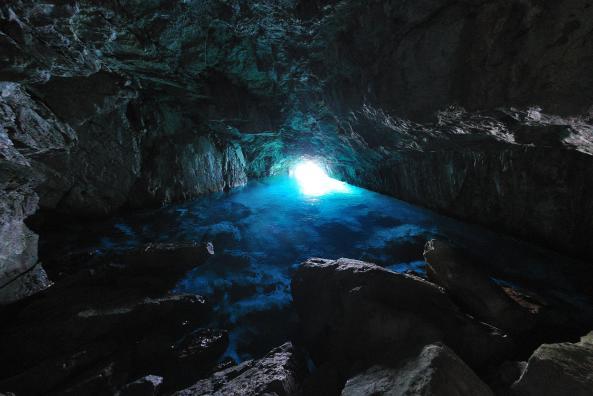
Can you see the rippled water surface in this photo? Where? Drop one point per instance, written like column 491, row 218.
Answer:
column 263, row 231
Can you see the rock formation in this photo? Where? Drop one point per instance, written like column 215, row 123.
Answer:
column 355, row 313
column 564, row 368
column 435, row 371
column 280, row 373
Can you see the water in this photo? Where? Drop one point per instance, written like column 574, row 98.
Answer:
column 263, row 231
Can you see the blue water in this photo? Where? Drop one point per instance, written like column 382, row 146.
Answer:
column 262, row 231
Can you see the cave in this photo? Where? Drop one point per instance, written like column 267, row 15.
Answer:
column 296, row 197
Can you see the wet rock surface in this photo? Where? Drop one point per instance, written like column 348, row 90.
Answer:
column 372, row 331
column 563, row 368
column 280, row 373
column 355, row 313
column 435, row 371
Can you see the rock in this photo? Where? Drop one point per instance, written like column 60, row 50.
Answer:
column 355, row 313
column 436, row 370
column 29, row 132
column 37, row 336
column 181, row 361
column 280, row 372
column 472, row 289
column 558, row 369
column 501, row 378
column 53, row 372
column 145, row 386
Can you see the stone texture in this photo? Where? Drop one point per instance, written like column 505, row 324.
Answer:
column 554, row 369
column 436, row 370
column 145, row 386
column 280, row 373
column 414, row 58
column 473, row 289
column 107, row 322
column 354, row 313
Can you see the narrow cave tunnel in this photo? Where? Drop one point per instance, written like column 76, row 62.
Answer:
column 296, row 197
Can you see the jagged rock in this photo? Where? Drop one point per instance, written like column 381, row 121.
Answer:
column 473, row 289
column 280, row 372
column 36, row 336
column 180, row 361
column 145, row 386
column 501, row 378
column 51, row 373
column 355, row 313
column 29, row 132
column 558, row 369
column 436, row 370
column 110, row 308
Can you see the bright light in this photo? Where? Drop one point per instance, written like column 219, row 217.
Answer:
column 314, row 181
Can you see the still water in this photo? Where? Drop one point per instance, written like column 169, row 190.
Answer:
column 261, row 233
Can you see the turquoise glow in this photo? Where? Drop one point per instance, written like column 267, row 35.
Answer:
column 262, row 231
column 314, row 181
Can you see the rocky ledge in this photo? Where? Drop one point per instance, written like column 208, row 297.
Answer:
column 108, row 326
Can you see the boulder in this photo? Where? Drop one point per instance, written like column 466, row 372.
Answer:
column 182, row 361
column 146, row 386
column 28, row 342
column 559, row 369
column 436, row 371
column 356, row 314
column 279, row 373
column 472, row 289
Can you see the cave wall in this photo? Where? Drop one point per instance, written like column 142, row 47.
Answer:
column 111, row 105
column 416, row 57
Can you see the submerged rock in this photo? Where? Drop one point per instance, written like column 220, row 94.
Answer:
column 280, row 373
column 558, row 369
column 473, row 289
column 435, row 371
column 355, row 313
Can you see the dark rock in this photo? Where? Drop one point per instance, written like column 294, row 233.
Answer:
column 34, row 338
column 28, row 132
column 53, row 372
column 145, row 386
column 436, row 370
column 323, row 381
column 471, row 167
column 355, row 314
column 280, row 372
column 472, row 289
column 105, row 322
column 501, row 378
column 556, row 369
column 180, row 361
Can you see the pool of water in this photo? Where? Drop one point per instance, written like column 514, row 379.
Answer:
column 262, row 231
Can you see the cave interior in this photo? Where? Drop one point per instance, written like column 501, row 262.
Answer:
column 296, row 197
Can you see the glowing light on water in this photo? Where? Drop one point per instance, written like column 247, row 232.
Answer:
column 314, row 181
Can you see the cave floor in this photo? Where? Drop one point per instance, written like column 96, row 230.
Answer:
column 262, row 231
